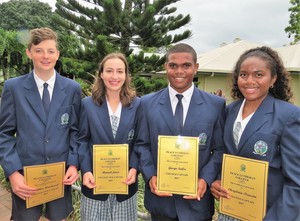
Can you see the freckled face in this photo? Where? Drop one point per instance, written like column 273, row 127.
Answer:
column 255, row 79
column 114, row 74
column 181, row 70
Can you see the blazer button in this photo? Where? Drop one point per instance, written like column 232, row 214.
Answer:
column 47, row 158
column 47, row 140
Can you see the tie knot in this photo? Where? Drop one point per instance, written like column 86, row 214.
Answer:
column 114, row 120
column 179, row 97
column 45, row 85
column 238, row 126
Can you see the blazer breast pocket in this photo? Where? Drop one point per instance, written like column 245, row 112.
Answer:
column 261, row 146
column 63, row 117
column 203, row 132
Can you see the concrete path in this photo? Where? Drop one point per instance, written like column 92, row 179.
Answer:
column 5, row 204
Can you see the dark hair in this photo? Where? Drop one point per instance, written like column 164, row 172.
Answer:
column 127, row 93
column 281, row 88
column 41, row 34
column 182, row 48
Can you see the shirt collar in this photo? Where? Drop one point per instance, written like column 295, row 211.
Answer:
column 186, row 94
column 239, row 117
column 117, row 112
column 40, row 82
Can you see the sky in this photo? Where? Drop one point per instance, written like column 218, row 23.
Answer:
column 221, row 21
column 217, row 21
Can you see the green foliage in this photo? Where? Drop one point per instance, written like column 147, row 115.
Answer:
column 78, row 68
column 86, row 35
column 85, row 86
column 293, row 29
column 10, row 41
column 145, row 86
column 17, row 17
column 25, row 14
column 69, row 44
column 143, row 64
column 76, row 199
column 217, row 206
column 3, row 181
column 113, row 26
column 13, row 59
column 140, row 193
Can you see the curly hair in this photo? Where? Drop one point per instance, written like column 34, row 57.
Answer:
column 281, row 88
column 127, row 93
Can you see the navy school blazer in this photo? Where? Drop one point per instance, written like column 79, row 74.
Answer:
column 95, row 128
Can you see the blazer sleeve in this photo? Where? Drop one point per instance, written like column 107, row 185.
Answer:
column 211, row 170
column 287, row 205
column 73, row 152
column 134, row 158
column 84, row 156
column 143, row 145
column 9, row 158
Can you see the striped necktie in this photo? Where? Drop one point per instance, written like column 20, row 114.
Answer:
column 114, row 124
column 236, row 133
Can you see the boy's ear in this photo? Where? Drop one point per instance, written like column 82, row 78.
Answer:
column 28, row 53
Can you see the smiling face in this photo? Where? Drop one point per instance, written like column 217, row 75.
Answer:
column 113, row 74
column 44, row 56
column 254, row 79
column 181, row 69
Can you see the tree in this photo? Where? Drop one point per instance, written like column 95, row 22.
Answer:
column 146, row 86
column 294, row 28
column 25, row 14
column 111, row 25
column 20, row 16
column 12, row 53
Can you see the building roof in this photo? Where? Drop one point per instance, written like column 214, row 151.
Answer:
column 223, row 59
column 290, row 56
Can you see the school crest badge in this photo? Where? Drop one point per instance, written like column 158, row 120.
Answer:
column 260, row 148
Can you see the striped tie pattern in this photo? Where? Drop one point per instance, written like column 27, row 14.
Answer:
column 236, row 132
column 114, row 124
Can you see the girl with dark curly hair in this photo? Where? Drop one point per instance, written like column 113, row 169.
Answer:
column 269, row 128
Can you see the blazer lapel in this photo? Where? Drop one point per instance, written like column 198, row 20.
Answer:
column 126, row 117
column 33, row 97
column 104, row 120
column 228, row 130
column 258, row 119
column 193, row 111
column 166, row 112
column 58, row 96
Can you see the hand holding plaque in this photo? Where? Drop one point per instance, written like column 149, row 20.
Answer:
column 177, row 170
column 110, row 168
column 246, row 180
column 48, row 179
